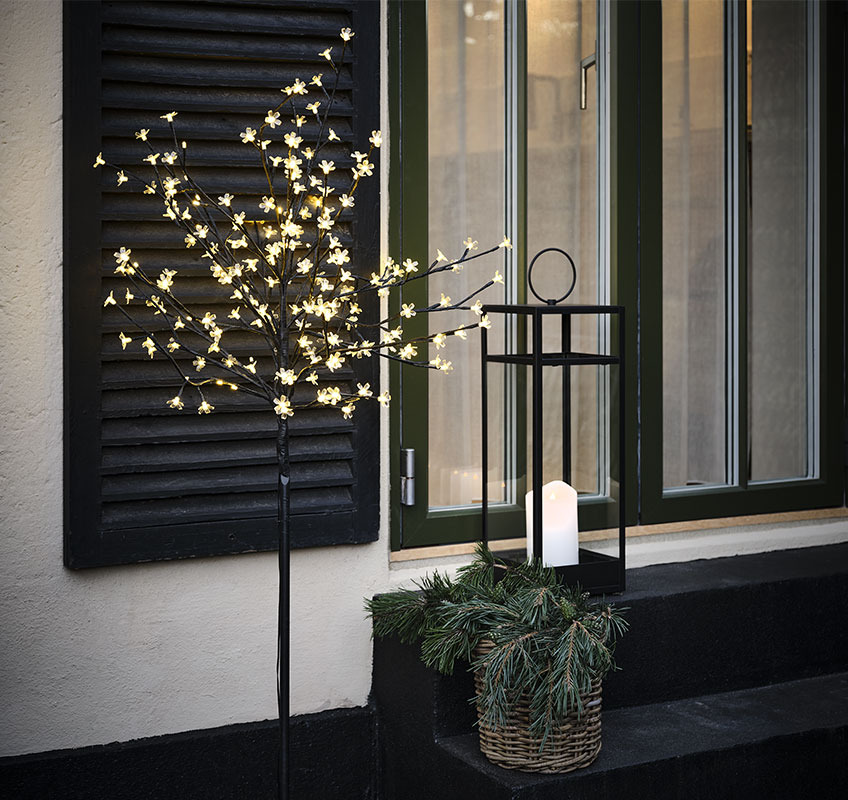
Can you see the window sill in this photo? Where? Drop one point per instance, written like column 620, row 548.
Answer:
column 449, row 550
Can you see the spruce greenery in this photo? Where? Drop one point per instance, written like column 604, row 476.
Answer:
column 550, row 643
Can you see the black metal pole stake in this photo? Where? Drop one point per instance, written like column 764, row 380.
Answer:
column 284, row 607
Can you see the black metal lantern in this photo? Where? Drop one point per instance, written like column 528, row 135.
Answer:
column 540, row 365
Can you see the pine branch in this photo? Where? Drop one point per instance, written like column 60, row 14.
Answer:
column 549, row 643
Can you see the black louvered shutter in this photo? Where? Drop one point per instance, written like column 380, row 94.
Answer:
column 144, row 482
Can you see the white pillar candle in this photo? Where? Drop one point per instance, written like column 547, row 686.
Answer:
column 559, row 524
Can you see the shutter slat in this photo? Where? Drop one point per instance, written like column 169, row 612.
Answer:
column 210, row 455
column 201, row 73
column 214, row 45
column 212, row 507
column 275, row 18
column 253, row 478
column 158, row 98
column 217, row 427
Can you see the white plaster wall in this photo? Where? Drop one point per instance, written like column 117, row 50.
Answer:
column 116, row 654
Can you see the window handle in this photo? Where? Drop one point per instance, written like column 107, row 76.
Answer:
column 589, row 61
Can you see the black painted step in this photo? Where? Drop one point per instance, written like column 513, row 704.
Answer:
column 697, row 629
column 785, row 741
column 722, row 624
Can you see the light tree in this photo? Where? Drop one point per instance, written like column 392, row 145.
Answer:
column 297, row 306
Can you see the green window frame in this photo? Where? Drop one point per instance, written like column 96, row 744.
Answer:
column 635, row 231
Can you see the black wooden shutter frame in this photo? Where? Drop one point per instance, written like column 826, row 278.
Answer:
column 94, row 459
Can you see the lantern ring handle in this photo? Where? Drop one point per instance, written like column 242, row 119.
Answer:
column 546, row 300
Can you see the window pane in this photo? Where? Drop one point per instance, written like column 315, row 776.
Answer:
column 562, row 210
column 465, row 43
column 694, row 308
column 779, row 267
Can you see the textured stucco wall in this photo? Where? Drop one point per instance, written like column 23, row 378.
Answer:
column 116, row 654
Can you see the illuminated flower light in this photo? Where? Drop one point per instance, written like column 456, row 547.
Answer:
column 98, row 161
column 346, row 34
column 176, row 402
column 249, row 135
column 272, row 118
column 169, row 117
column 125, row 340
column 122, row 256
column 292, row 140
column 282, row 406
column 142, row 134
column 334, row 362
column 166, row 279
column 205, row 408
column 364, row 168
column 376, row 138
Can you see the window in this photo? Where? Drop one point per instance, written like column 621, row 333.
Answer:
column 144, row 482
column 676, row 150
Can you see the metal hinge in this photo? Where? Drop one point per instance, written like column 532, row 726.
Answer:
column 407, row 476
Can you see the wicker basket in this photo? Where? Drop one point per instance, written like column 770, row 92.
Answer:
column 574, row 744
